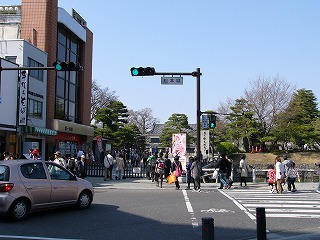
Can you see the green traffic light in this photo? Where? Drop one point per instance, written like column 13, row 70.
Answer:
column 58, row 67
column 135, row 72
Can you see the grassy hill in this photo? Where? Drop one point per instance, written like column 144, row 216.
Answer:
column 308, row 158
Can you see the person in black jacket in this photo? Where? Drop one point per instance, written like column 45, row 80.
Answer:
column 224, row 170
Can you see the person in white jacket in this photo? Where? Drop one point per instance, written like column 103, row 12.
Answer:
column 280, row 174
column 108, row 165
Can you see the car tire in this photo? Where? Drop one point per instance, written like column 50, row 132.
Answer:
column 84, row 200
column 19, row 210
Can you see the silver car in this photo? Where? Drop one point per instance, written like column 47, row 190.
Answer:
column 32, row 185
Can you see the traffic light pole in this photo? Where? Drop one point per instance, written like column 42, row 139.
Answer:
column 196, row 74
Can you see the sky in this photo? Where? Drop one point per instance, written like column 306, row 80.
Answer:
column 232, row 42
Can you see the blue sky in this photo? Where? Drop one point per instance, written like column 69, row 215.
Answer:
column 232, row 42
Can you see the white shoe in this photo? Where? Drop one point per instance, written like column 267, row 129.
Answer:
column 318, row 191
column 271, row 191
column 199, row 190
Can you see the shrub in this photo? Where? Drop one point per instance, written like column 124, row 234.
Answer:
column 227, row 147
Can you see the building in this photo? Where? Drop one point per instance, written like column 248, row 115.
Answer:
column 153, row 137
column 64, row 38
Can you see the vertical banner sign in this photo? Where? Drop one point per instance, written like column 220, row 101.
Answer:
column 179, row 147
column 99, row 142
column 205, row 121
column 23, row 97
column 204, row 142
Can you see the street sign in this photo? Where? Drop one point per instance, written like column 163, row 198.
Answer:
column 205, row 121
column 172, row 80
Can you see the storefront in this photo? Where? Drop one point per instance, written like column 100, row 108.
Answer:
column 71, row 137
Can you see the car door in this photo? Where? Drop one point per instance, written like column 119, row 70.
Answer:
column 36, row 183
column 64, row 185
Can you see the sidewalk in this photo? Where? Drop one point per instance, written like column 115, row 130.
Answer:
column 143, row 183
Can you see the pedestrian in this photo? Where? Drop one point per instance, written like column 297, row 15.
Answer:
column 81, row 167
column 244, row 170
column 167, row 166
column 108, row 166
column 119, row 166
column 153, row 162
column 160, row 170
column 72, row 165
column 280, row 175
column 196, row 174
column 177, row 170
column 223, row 165
column 79, row 154
column 6, row 155
column 293, row 174
column 272, row 179
column 148, row 167
column 58, row 159
column 188, row 175
column 287, row 164
column 229, row 175
column 318, row 172
column 145, row 156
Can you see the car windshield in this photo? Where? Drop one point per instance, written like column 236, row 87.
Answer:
column 4, row 173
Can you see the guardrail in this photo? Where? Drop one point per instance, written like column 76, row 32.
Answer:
column 306, row 175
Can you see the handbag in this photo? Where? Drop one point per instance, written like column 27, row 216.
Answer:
column 177, row 172
column 215, row 174
column 171, row 178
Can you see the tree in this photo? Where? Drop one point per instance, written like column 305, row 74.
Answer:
column 143, row 119
column 113, row 117
column 267, row 98
column 242, row 127
column 297, row 123
column 177, row 123
column 100, row 98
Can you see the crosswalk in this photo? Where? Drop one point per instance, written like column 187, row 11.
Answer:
column 301, row 204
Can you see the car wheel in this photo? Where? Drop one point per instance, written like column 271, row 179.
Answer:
column 19, row 210
column 84, row 200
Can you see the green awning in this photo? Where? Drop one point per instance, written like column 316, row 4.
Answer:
column 41, row 130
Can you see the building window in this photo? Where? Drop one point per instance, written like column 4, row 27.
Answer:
column 35, row 108
column 37, row 74
column 11, row 58
column 67, row 83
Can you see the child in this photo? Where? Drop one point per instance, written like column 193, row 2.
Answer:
column 293, row 174
column 272, row 179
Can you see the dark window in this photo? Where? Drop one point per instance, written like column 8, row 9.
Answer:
column 155, row 140
column 58, row 173
column 67, row 83
column 37, row 74
column 4, row 173
column 35, row 108
column 33, row 171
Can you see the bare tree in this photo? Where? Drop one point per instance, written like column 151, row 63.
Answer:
column 143, row 119
column 100, row 98
column 267, row 98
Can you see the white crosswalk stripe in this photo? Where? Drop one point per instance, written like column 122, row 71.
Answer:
column 301, row 204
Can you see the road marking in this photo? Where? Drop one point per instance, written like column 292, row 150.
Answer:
column 34, row 238
column 214, row 210
column 239, row 206
column 194, row 220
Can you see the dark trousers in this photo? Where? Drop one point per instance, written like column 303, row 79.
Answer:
column 243, row 180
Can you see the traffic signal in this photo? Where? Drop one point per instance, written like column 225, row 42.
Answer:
column 212, row 121
column 67, row 66
column 141, row 71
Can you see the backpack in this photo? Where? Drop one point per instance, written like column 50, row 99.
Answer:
column 161, row 165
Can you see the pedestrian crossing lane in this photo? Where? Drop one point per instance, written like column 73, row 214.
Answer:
column 301, row 204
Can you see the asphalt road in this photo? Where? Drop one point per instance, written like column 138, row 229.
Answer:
column 137, row 209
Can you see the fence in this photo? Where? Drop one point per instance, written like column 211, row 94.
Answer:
column 97, row 170
column 257, row 175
